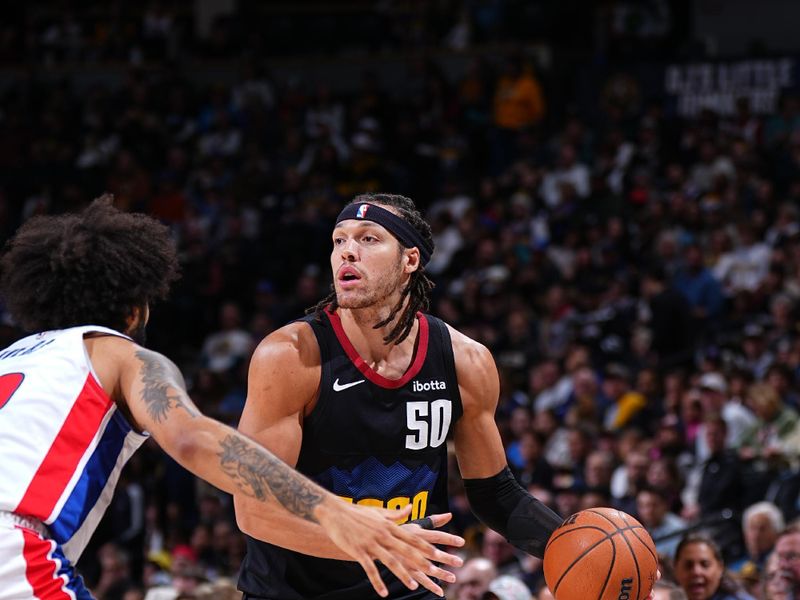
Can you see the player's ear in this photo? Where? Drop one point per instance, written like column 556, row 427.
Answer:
column 411, row 259
column 138, row 315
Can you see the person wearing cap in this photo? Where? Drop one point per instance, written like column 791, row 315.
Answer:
column 362, row 395
column 738, row 418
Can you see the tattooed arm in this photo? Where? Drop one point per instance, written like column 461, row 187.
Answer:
column 154, row 394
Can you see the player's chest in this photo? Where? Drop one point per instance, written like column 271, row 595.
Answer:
column 360, row 415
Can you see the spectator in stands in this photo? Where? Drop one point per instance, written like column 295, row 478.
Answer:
column 225, row 349
column 115, row 571
column 746, row 266
column 534, row 469
column 716, row 483
column 665, row 527
column 599, row 469
column 628, row 479
column 519, row 422
column 700, row 571
column 473, row 579
column 775, row 586
column 765, row 440
column 666, row 590
column 507, row 587
column 501, row 553
column 670, row 320
column 787, row 551
column 762, row 522
column 665, row 475
column 738, row 418
column 518, row 105
column 701, row 289
column 586, row 403
column 569, row 180
column 625, row 404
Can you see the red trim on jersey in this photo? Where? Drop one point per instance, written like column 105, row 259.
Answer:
column 421, row 352
column 40, row 569
column 70, row 444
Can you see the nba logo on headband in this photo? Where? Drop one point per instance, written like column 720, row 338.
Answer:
column 362, row 211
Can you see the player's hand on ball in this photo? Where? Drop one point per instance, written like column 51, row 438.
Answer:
column 368, row 534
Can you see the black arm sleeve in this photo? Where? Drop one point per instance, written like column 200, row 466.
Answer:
column 502, row 504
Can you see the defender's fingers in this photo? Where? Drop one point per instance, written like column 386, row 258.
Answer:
column 373, row 575
column 442, row 574
column 415, row 537
column 428, row 583
column 391, row 562
column 446, row 558
column 397, row 515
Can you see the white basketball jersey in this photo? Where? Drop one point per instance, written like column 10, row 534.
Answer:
column 63, row 442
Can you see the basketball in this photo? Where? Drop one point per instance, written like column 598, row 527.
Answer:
column 600, row 554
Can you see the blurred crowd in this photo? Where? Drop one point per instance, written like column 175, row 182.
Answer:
column 636, row 277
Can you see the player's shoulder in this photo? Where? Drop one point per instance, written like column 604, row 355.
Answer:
column 475, row 367
column 106, row 347
column 294, row 343
column 467, row 350
column 476, row 371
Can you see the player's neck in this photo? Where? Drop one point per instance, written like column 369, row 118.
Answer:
column 359, row 326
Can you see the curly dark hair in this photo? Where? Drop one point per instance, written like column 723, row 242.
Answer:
column 419, row 286
column 92, row 267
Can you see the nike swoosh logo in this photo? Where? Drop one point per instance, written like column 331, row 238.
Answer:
column 338, row 387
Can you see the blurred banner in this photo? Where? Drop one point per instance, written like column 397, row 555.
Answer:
column 689, row 88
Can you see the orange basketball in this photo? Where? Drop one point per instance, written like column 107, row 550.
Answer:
column 600, row 554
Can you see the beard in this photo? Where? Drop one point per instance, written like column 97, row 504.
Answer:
column 385, row 285
column 139, row 334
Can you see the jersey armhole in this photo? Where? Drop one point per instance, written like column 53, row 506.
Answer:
column 450, row 364
column 317, row 413
column 123, row 412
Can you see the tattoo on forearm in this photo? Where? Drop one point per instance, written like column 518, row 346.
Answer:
column 162, row 389
column 260, row 474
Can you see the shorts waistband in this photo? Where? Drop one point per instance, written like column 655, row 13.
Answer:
column 9, row 518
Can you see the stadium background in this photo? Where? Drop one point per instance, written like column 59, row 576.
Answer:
column 613, row 186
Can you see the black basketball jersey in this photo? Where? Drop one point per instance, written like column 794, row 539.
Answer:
column 372, row 441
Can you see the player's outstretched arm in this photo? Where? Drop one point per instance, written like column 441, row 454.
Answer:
column 155, row 395
column 494, row 495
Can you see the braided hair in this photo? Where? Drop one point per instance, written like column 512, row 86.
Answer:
column 419, row 286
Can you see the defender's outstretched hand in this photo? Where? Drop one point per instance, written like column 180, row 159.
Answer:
column 428, row 529
column 368, row 534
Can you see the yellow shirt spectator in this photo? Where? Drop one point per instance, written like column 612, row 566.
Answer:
column 518, row 101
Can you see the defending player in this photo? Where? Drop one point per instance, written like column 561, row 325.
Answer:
column 362, row 395
column 80, row 395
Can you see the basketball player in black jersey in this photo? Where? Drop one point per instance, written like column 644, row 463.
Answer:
column 361, row 396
